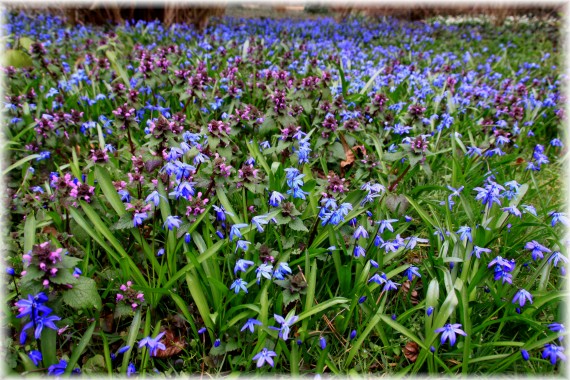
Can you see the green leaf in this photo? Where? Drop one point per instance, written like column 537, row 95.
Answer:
column 94, row 365
column 17, row 58
column 64, row 277
column 29, row 232
column 77, row 351
column 83, row 295
column 26, row 43
column 289, row 297
column 131, row 338
column 298, row 225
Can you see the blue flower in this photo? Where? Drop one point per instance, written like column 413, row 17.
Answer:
column 242, row 265
column 243, row 245
column 390, row 285
column 449, row 331
column 429, row 311
column 36, row 357
column 264, row 270
column 359, row 251
column 250, row 325
column 285, row 325
column 379, row 279
column 360, row 233
column 38, row 324
column 556, row 257
column 153, row 344
column 57, row 369
column 264, row 356
column 521, row 297
column 131, row 369
column 282, row 270
column 553, row 352
column 221, row 213
column 386, row 225
column 257, row 221
column 352, row 334
column 276, row 198
column 138, row 218
column 172, row 222
column 235, row 230
column 33, row 305
column 524, row 354
column 465, row 233
column 537, row 249
column 238, row 285
column 125, row 196
column 477, row 251
column 559, row 217
column 154, row 197
column 411, row 272
column 323, row 343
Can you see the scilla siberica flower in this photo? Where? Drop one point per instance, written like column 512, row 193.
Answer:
column 153, row 344
column 235, row 230
column 276, row 199
column 449, row 332
column 250, row 325
column 521, row 297
column 242, row 265
column 264, row 356
column 285, row 325
column 238, row 285
column 537, row 249
column 172, row 222
column 553, row 352
column 264, row 270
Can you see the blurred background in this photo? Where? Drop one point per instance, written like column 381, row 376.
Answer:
column 114, row 12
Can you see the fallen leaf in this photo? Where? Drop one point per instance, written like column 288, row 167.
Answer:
column 411, row 351
column 174, row 345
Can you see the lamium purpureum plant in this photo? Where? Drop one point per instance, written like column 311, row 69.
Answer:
column 299, row 196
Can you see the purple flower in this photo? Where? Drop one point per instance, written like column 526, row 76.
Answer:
column 521, row 297
column 153, row 344
column 264, row 356
column 449, row 331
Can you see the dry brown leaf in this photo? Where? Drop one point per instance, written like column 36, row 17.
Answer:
column 174, row 345
column 411, row 351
